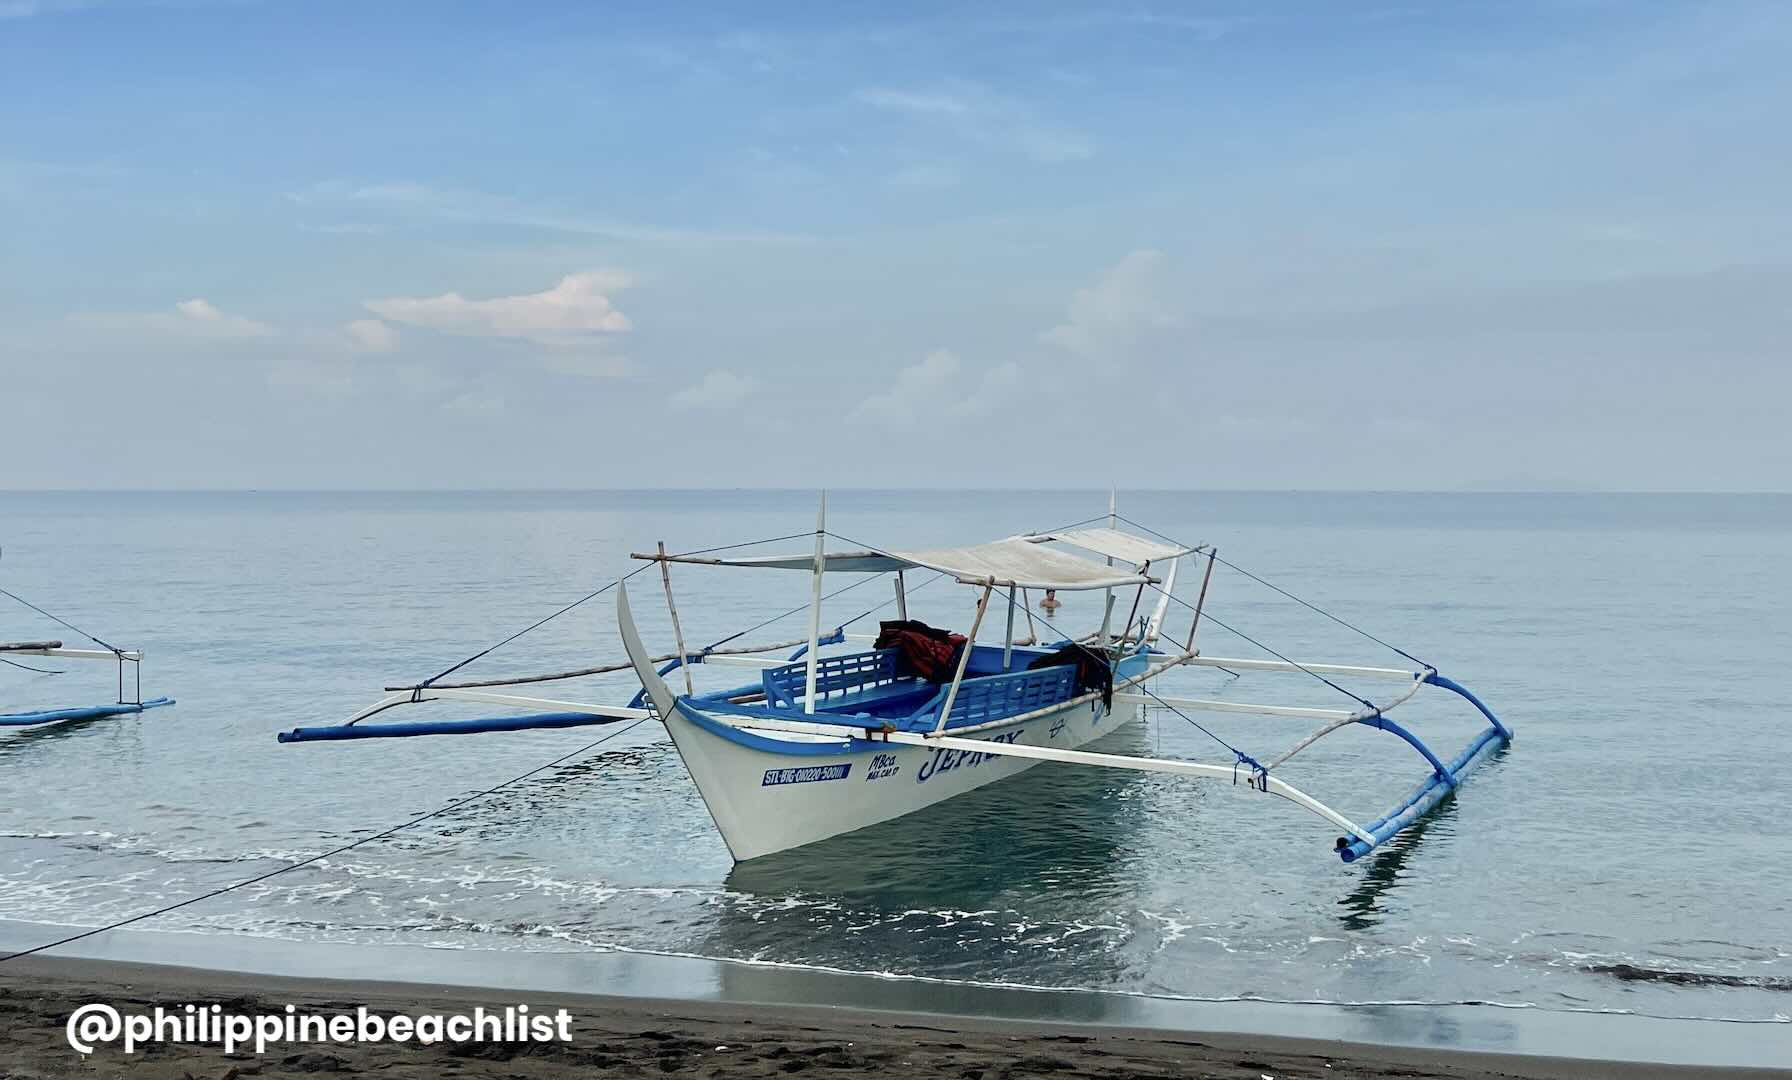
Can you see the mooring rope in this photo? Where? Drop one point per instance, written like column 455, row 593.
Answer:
column 1272, row 585
column 383, row 834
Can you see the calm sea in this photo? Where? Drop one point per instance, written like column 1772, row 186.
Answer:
column 1630, row 852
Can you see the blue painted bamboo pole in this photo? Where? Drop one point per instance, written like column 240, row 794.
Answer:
column 445, row 727
column 90, row 712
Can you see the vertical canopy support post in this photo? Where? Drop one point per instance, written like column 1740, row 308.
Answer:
column 1134, row 613
column 901, row 598
column 1107, row 594
column 964, row 658
column 1026, row 603
column 821, row 559
column 1008, row 643
column 684, row 660
column 1200, row 601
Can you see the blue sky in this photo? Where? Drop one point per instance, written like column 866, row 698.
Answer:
column 1286, row 245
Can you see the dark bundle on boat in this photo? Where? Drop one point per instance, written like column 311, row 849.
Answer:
column 1092, row 670
column 924, row 651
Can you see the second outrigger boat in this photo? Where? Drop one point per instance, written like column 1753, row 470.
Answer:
column 839, row 736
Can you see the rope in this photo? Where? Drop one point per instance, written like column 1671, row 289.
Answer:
column 594, row 594
column 115, row 650
column 28, row 667
column 1272, row 585
column 319, row 858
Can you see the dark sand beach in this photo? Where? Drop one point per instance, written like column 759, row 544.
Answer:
column 623, row 1036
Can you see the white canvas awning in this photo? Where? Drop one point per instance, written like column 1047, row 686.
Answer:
column 1017, row 561
column 1124, row 546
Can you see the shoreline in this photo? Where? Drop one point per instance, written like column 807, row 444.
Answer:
column 616, row 1035
column 616, row 993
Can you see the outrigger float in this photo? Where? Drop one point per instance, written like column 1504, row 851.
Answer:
column 838, row 736
column 11, row 651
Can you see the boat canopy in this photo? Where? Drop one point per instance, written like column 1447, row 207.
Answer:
column 1124, row 546
column 1019, row 561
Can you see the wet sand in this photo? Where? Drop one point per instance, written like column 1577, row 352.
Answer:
column 622, row 1036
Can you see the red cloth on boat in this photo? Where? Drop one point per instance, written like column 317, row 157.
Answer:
column 921, row 650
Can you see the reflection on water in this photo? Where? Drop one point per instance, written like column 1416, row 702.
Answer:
column 950, row 878
column 1384, row 870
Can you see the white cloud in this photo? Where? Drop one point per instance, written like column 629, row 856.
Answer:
column 936, row 387
column 916, row 388
column 716, row 390
column 197, row 319
column 575, row 311
column 371, row 335
column 1125, row 302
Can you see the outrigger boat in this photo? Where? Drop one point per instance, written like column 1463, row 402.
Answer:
column 838, row 736
column 12, row 651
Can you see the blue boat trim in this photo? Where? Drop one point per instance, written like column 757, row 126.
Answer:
column 530, row 722
column 1439, row 785
column 789, row 747
column 90, row 712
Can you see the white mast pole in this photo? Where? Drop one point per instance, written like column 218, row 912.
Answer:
column 821, row 524
column 964, row 658
column 1107, row 607
column 1200, row 602
column 684, row 659
column 1008, row 644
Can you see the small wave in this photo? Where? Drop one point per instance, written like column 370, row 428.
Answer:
column 1634, row 973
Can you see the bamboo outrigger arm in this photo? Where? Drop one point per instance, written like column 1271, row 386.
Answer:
column 562, row 713
column 55, row 650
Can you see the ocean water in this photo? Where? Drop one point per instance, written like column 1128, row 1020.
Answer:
column 1630, row 852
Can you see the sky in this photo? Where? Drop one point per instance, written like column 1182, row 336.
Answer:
column 1525, row 245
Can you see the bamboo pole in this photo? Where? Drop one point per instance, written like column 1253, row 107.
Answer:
column 1107, row 603
column 677, row 634
column 821, row 519
column 1008, row 641
column 964, row 659
column 901, row 598
column 1200, row 601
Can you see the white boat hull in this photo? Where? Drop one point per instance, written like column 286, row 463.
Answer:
column 766, row 798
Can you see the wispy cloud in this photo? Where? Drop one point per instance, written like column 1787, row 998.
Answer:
column 716, row 391
column 912, row 101
column 197, row 319
column 428, row 202
column 975, row 114
column 371, row 335
column 574, row 311
column 1127, row 300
